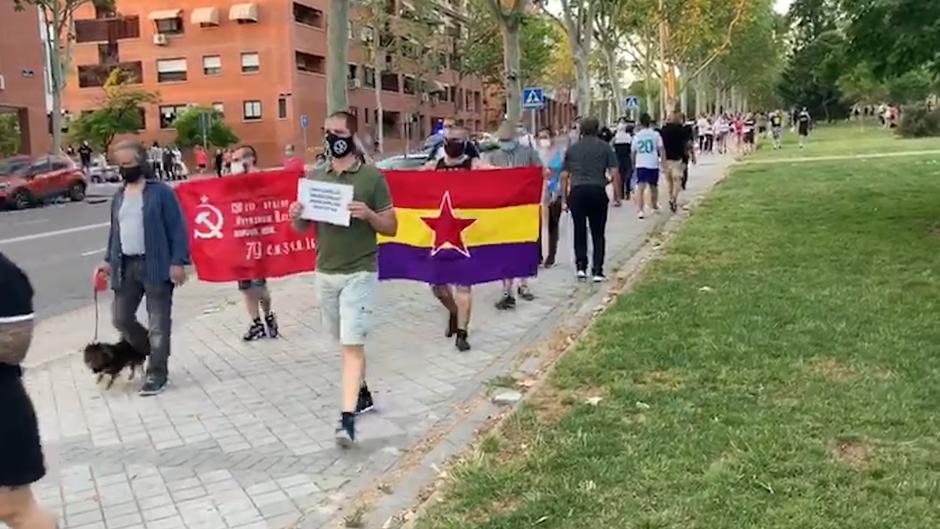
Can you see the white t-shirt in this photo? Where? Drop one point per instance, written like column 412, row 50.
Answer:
column 702, row 125
column 622, row 136
column 646, row 145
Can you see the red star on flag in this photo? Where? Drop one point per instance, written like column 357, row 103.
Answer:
column 448, row 228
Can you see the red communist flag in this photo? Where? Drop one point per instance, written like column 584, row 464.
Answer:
column 448, row 228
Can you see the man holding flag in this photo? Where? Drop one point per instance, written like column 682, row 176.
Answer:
column 346, row 278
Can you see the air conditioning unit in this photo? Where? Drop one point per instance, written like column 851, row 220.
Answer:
column 355, row 83
column 366, row 35
column 424, row 98
column 159, row 39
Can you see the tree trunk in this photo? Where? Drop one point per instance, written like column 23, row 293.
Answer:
column 512, row 62
column 379, row 110
column 648, row 88
column 614, row 78
column 337, row 66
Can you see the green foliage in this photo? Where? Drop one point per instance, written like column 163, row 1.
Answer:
column 189, row 129
column 755, row 58
column 859, row 85
column 120, row 112
column 911, row 87
column 894, row 36
column 9, row 134
column 919, row 121
column 482, row 52
column 817, row 61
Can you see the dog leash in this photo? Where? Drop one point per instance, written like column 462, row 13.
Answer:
column 95, row 292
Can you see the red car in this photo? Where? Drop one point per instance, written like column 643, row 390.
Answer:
column 44, row 178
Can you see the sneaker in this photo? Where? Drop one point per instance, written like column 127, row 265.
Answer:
column 582, row 275
column 271, row 322
column 525, row 293
column 550, row 262
column 154, row 385
column 462, row 344
column 255, row 331
column 641, row 215
column 599, row 278
column 365, row 402
column 673, row 205
column 345, row 434
column 451, row 325
column 656, row 210
column 507, row 302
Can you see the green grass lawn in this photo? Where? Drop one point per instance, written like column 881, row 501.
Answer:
column 845, row 139
column 800, row 390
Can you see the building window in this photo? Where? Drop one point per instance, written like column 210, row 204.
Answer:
column 219, row 107
column 169, row 26
column 369, row 74
column 390, row 82
column 307, row 15
column 365, row 114
column 353, row 72
column 281, row 108
column 252, row 110
column 171, row 70
column 310, row 63
column 409, row 87
column 251, row 63
column 212, row 65
column 168, row 114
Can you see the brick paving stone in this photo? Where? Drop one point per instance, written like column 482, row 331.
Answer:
column 243, row 436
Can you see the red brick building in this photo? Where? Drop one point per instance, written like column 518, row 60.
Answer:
column 22, row 78
column 262, row 63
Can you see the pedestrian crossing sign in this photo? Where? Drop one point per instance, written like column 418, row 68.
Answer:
column 631, row 102
column 532, row 98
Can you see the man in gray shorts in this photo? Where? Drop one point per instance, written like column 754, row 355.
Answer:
column 254, row 291
column 346, row 277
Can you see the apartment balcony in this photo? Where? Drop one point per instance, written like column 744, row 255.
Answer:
column 92, row 75
column 107, row 29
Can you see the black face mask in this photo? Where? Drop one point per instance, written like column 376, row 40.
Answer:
column 132, row 174
column 339, row 146
column 454, row 148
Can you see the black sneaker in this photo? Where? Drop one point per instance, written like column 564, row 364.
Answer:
column 345, row 434
column 154, row 384
column 364, row 403
column 255, row 331
column 507, row 302
column 550, row 262
column 270, row 320
column 462, row 344
column 673, row 205
column 525, row 293
column 451, row 325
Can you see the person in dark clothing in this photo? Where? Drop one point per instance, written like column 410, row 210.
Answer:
column 457, row 299
column 589, row 166
column 21, row 460
column 218, row 162
column 84, row 153
column 148, row 249
column 622, row 141
column 676, row 142
column 169, row 164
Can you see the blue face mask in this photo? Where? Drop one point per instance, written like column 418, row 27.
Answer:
column 507, row 145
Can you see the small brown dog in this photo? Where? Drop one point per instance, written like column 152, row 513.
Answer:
column 110, row 359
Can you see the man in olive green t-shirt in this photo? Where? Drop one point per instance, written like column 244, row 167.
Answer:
column 346, row 278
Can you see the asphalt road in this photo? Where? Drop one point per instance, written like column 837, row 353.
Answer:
column 58, row 245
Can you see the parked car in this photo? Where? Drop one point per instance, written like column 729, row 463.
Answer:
column 101, row 171
column 403, row 161
column 45, row 178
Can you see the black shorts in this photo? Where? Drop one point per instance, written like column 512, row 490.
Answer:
column 249, row 284
column 749, row 137
column 804, row 131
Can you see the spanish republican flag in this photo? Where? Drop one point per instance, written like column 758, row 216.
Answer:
column 463, row 226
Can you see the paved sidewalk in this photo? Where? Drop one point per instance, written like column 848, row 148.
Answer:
column 243, row 437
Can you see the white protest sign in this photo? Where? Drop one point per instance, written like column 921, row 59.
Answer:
column 325, row 201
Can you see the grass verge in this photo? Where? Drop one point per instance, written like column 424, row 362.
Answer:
column 800, row 389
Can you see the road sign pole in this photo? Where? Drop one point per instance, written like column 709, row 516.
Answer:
column 532, row 131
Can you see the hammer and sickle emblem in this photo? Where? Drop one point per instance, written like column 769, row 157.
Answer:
column 208, row 221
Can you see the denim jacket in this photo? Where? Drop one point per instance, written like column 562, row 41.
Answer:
column 165, row 238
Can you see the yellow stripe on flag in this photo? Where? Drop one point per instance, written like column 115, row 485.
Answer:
column 492, row 226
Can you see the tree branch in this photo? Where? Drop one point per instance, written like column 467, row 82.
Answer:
column 739, row 12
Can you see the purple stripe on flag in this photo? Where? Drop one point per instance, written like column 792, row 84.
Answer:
column 486, row 263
